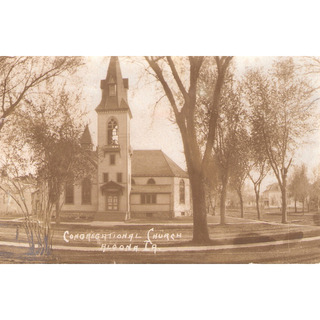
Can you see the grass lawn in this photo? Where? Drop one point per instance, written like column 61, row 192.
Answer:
column 306, row 218
column 171, row 233
column 166, row 236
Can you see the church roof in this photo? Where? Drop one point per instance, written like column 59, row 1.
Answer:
column 118, row 99
column 154, row 163
column 86, row 136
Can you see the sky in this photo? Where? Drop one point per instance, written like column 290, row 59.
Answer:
column 150, row 126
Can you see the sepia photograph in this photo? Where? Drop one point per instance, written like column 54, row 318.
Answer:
column 159, row 159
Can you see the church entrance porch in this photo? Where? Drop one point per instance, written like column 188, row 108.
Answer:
column 111, row 210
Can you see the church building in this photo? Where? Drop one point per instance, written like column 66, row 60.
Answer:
column 128, row 184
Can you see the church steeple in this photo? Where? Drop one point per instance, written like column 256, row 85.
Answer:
column 86, row 140
column 114, row 89
column 114, row 161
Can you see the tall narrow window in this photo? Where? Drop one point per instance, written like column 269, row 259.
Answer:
column 119, row 177
column 113, row 138
column 69, row 199
column 147, row 198
column 86, row 191
column 182, row 191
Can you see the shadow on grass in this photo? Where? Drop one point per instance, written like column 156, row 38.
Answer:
column 247, row 238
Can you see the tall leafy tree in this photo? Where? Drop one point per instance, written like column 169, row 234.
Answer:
column 282, row 105
column 299, row 185
column 45, row 143
column 55, row 124
column 179, row 79
column 259, row 166
column 231, row 144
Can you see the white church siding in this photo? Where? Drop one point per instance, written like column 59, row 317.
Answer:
column 162, row 208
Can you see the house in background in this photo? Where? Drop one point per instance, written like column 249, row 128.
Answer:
column 271, row 197
column 127, row 183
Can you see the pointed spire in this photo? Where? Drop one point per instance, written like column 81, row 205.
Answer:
column 86, row 140
column 114, row 89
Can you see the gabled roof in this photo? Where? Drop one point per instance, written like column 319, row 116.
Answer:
column 111, row 186
column 154, row 163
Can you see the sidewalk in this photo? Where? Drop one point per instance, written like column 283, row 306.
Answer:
column 239, row 233
column 173, row 248
column 212, row 220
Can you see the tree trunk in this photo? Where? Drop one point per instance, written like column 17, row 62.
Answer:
column 200, row 227
column 257, row 203
column 303, row 206
column 284, row 201
column 223, row 198
column 58, row 211
column 241, row 203
column 295, row 205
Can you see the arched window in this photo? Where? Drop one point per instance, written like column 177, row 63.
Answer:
column 182, row 191
column 113, row 138
column 69, row 199
column 151, row 181
column 86, row 191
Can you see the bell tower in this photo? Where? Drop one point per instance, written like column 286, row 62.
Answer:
column 114, row 151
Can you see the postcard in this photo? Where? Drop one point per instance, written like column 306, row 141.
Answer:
column 159, row 159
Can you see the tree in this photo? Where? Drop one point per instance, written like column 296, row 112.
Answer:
column 231, row 145
column 314, row 191
column 179, row 78
column 241, row 167
column 258, row 164
column 299, row 185
column 212, row 186
column 55, row 126
column 20, row 77
column 46, row 144
column 282, row 109
column 258, row 171
column 17, row 181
